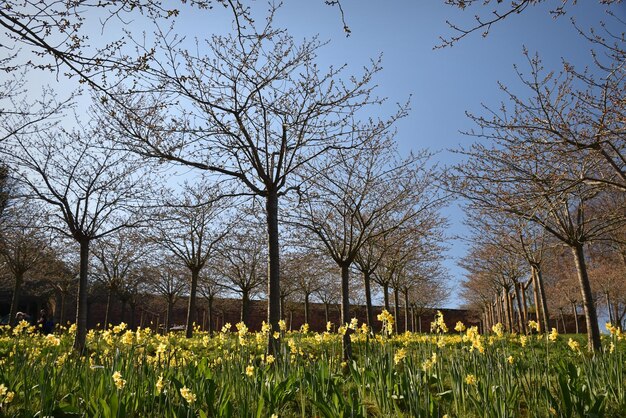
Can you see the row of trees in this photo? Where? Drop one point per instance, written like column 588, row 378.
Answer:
column 548, row 174
column 254, row 118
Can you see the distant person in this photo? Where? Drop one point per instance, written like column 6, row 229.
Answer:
column 19, row 317
column 44, row 323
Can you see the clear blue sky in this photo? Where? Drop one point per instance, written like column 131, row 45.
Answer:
column 444, row 83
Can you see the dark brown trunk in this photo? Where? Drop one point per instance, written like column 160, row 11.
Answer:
column 524, row 306
column 327, row 311
column 245, row 304
column 15, row 298
column 367, row 282
column 210, row 314
column 168, row 315
column 345, row 309
column 563, row 321
column 396, row 308
column 575, row 312
column 307, row 319
column 81, row 302
column 521, row 323
column 386, row 296
column 406, row 310
column 191, row 303
column 412, row 318
column 591, row 318
column 273, row 269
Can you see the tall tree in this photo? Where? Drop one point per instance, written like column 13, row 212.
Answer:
column 90, row 189
column 253, row 107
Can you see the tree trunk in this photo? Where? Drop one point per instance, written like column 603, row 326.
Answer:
column 543, row 315
column 107, row 309
column 591, row 318
column 413, row 318
column 191, row 303
column 81, row 302
column 168, row 315
column 327, row 311
column 15, row 299
column 396, row 308
column 273, row 269
column 524, row 306
column 245, row 302
column 520, row 310
column 345, row 309
column 575, row 311
column 406, row 310
column 386, row 296
column 538, row 313
column 368, row 299
column 608, row 306
column 563, row 321
column 307, row 319
column 210, row 314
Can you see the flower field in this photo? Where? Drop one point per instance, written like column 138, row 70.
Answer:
column 138, row 373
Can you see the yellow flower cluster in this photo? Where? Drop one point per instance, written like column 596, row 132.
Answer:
column 498, row 329
column 554, row 335
column 187, row 395
column 533, row 325
column 399, row 356
column 438, row 325
column 471, row 380
column 387, row 319
column 119, row 382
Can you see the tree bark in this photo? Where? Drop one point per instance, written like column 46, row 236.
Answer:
column 396, row 308
column 575, row 312
column 520, row 310
column 168, row 315
column 367, row 282
column 406, row 311
column 273, row 269
column 591, row 318
column 245, row 302
column 81, row 303
column 326, row 311
column 345, row 309
column 15, row 299
column 386, row 296
column 191, row 305
column 307, row 319
column 210, row 314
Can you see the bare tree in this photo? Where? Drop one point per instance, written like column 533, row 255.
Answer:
column 209, row 287
column 508, row 177
column 350, row 198
column 240, row 263
column 252, row 107
column 90, row 190
column 23, row 244
column 190, row 230
column 117, row 256
column 167, row 279
column 501, row 10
